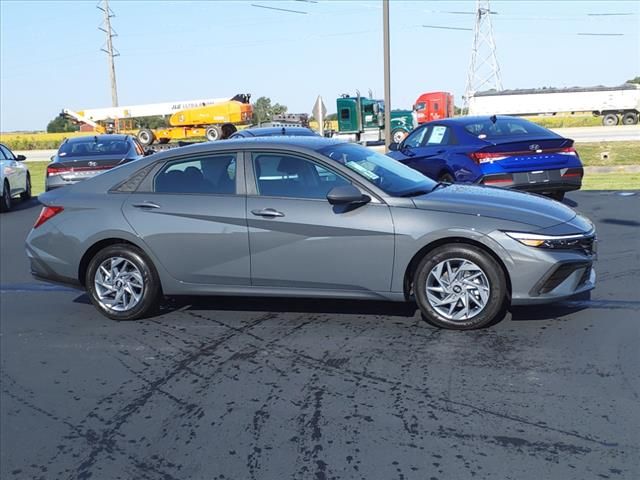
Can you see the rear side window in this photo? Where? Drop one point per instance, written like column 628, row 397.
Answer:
column 215, row 174
column 505, row 128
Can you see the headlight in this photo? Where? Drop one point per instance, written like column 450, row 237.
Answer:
column 582, row 241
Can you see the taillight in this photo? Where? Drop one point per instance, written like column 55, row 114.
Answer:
column 56, row 170
column 568, row 151
column 484, row 157
column 571, row 172
column 46, row 214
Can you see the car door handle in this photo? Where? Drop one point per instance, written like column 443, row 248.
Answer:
column 146, row 205
column 267, row 212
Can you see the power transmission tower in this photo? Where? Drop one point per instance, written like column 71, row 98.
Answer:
column 484, row 71
column 108, row 48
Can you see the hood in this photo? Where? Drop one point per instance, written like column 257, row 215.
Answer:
column 498, row 203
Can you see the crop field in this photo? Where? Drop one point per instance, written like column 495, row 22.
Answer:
column 36, row 140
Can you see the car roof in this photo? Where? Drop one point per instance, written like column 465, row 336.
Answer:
column 465, row 120
column 99, row 138
column 285, row 142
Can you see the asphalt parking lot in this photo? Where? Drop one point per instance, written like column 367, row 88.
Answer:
column 237, row 388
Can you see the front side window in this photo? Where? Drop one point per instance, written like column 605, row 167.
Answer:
column 5, row 153
column 416, row 138
column 211, row 174
column 282, row 175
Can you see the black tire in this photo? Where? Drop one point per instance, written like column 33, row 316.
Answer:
column 398, row 135
column 164, row 141
column 146, row 137
column 151, row 292
column 446, row 177
column 213, row 133
column 228, row 129
column 559, row 196
column 630, row 118
column 493, row 275
column 26, row 195
column 610, row 120
column 5, row 198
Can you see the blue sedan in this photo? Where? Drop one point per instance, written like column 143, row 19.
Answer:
column 499, row 151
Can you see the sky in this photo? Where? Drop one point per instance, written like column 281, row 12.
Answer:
column 51, row 58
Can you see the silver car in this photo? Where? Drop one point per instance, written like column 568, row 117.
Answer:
column 307, row 217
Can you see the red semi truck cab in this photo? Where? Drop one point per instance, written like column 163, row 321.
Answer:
column 433, row 105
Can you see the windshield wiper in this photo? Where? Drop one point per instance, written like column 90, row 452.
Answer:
column 415, row 193
column 440, row 185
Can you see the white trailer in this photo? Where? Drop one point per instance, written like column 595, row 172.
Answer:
column 612, row 103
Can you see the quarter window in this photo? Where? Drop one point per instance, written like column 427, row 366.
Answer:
column 214, row 174
column 289, row 176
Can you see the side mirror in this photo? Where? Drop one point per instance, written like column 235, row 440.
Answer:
column 148, row 152
column 21, row 158
column 345, row 195
column 394, row 147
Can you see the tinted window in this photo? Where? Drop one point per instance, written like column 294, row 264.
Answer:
column 386, row 173
column 212, row 174
column 93, row 146
column 344, row 114
column 504, row 128
column 416, row 138
column 289, row 176
column 420, row 106
column 5, row 154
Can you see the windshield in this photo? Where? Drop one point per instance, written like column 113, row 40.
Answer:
column 93, row 146
column 384, row 172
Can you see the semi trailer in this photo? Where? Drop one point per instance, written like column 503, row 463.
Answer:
column 614, row 104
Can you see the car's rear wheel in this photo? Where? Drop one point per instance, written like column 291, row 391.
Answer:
column 610, row 119
column 460, row 287
column 446, row 177
column 559, row 196
column 123, row 283
column 5, row 200
column 26, row 195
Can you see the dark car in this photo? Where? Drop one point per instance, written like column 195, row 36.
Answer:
column 274, row 131
column 80, row 158
column 499, row 151
column 307, row 217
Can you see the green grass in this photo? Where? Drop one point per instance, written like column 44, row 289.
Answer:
column 617, row 153
column 566, row 121
column 37, row 171
column 591, row 181
column 611, row 181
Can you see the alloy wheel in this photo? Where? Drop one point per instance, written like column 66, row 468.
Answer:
column 119, row 285
column 457, row 289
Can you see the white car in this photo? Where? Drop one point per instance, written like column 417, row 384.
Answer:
column 14, row 178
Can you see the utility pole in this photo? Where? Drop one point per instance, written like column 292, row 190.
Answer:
column 387, row 75
column 484, row 71
column 110, row 51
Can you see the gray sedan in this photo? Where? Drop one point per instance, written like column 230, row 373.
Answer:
column 307, row 217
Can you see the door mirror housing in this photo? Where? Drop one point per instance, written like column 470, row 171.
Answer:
column 394, row 147
column 21, row 158
column 347, row 195
column 148, row 152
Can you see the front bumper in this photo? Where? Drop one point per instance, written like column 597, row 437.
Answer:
column 540, row 181
column 540, row 275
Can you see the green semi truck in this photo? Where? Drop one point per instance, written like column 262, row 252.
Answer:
column 360, row 115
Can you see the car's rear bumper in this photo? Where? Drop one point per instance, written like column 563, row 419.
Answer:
column 541, row 181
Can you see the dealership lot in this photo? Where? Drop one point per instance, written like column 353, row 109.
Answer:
column 240, row 388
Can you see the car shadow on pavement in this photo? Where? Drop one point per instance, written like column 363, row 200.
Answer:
column 18, row 205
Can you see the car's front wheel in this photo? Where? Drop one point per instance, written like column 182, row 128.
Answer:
column 460, row 287
column 5, row 199
column 123, row 283
column 26, row 195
